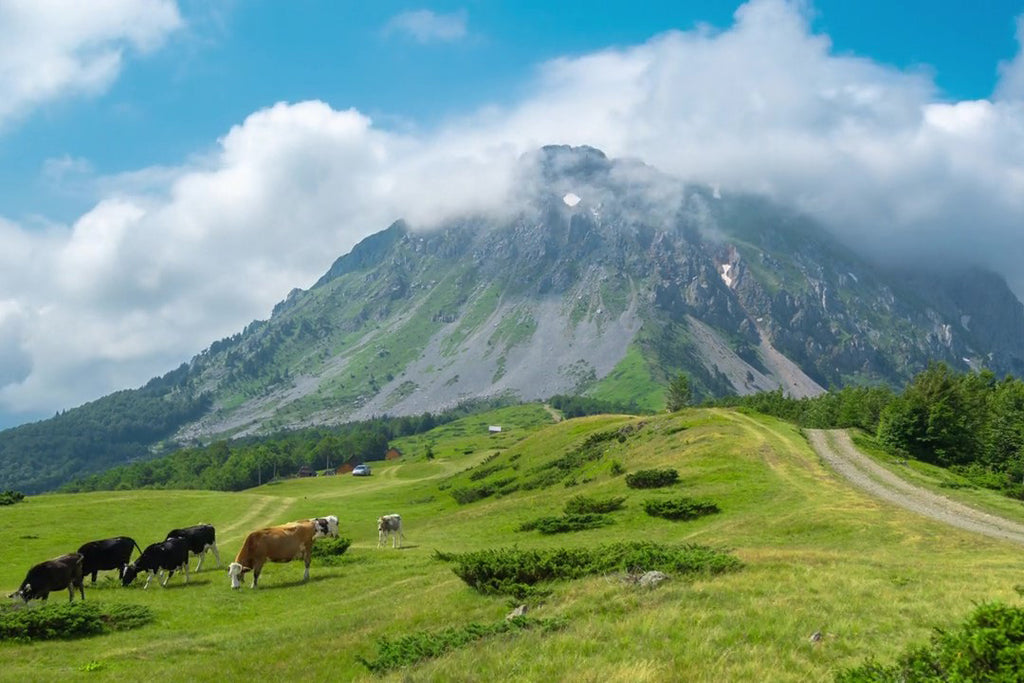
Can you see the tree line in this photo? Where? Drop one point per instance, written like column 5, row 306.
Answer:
column 971, row 423
column 244, row 463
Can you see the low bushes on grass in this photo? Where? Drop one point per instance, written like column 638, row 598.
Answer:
column 560, row 470
column 581, row 505
column 329, row 550
column 651, row 479
column 566, row 523
column 679, row 508
column 988, row 646
column 515, row 572
column 10, row 497
column 69, row 620
column 394, row 653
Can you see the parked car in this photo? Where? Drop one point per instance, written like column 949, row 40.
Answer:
column 361, row 471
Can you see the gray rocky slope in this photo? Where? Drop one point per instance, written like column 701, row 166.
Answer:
column 601, row 277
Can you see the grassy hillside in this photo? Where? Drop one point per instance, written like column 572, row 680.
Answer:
column 818, row 556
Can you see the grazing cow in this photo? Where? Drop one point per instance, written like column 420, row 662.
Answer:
column 389, row 525
column 282, row 543
column 110, row 553
column 325, row 526
column 201, row 538
column 52, row 575
column 170, row 555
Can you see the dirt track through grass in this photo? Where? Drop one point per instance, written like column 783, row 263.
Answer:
column 838, row 451
column 246, row 521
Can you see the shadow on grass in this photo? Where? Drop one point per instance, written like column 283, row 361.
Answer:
column 173, row 583
column 287, row 584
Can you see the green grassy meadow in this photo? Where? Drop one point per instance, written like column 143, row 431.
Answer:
column 818, row 556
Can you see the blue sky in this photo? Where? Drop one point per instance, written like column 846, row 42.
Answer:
column 229, row 59
column 171, row 169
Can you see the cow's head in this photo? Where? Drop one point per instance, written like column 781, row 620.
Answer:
column 25, row 592
column 236, row 571
column 129, row 574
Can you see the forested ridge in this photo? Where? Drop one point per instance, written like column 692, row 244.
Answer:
column 244, row 463
column 113, row 430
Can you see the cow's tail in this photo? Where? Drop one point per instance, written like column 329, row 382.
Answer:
column 134, row 543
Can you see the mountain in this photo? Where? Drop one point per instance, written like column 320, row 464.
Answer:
column 600, row 276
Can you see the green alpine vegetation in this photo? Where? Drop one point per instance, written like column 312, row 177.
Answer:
column 797, row 577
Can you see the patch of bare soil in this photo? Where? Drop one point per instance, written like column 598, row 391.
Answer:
column 838, row 451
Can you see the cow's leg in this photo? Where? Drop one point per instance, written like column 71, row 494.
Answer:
column 216, row 553
column 95, row 572
column 71, row 591
column 202, row 556
column 170, row 573
column 186, row 571
column 149, row 577
column 255, row 577
column 81, row 589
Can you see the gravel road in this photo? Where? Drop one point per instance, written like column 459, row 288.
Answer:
column 836, row 449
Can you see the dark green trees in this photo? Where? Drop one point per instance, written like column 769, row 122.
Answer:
column 678, row 395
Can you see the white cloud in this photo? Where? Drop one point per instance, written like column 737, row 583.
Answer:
column 426, row 26
column 1011, row 74
column 51, row 49
column 174, row 258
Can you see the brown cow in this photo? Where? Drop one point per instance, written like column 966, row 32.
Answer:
column 282, row 543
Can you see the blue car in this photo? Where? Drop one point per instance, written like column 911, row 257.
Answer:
column 361, row 471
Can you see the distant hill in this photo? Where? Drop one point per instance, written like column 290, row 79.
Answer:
column 602, row 278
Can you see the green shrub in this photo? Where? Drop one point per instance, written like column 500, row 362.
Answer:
column 651, row 479
column 988, row 646
column 10, row 497
column 394, row 653
column 470, row 494
column 484, row 471
column 328, row 551
column 566, row 523
column 580, row 505
column 514, row 572
column 679, row 508
column 69, row 620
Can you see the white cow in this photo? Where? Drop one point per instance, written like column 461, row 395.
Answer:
column 389, row 525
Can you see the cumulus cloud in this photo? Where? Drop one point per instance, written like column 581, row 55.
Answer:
column 51, row 49
column 1011, row 73
column 426, row 26
column 174, row 258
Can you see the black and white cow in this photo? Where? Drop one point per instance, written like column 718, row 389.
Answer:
column 200, row 538
column 52, row 575
column 325, row 526
column 170, row 555
column 109, row 553
column 388, row 525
